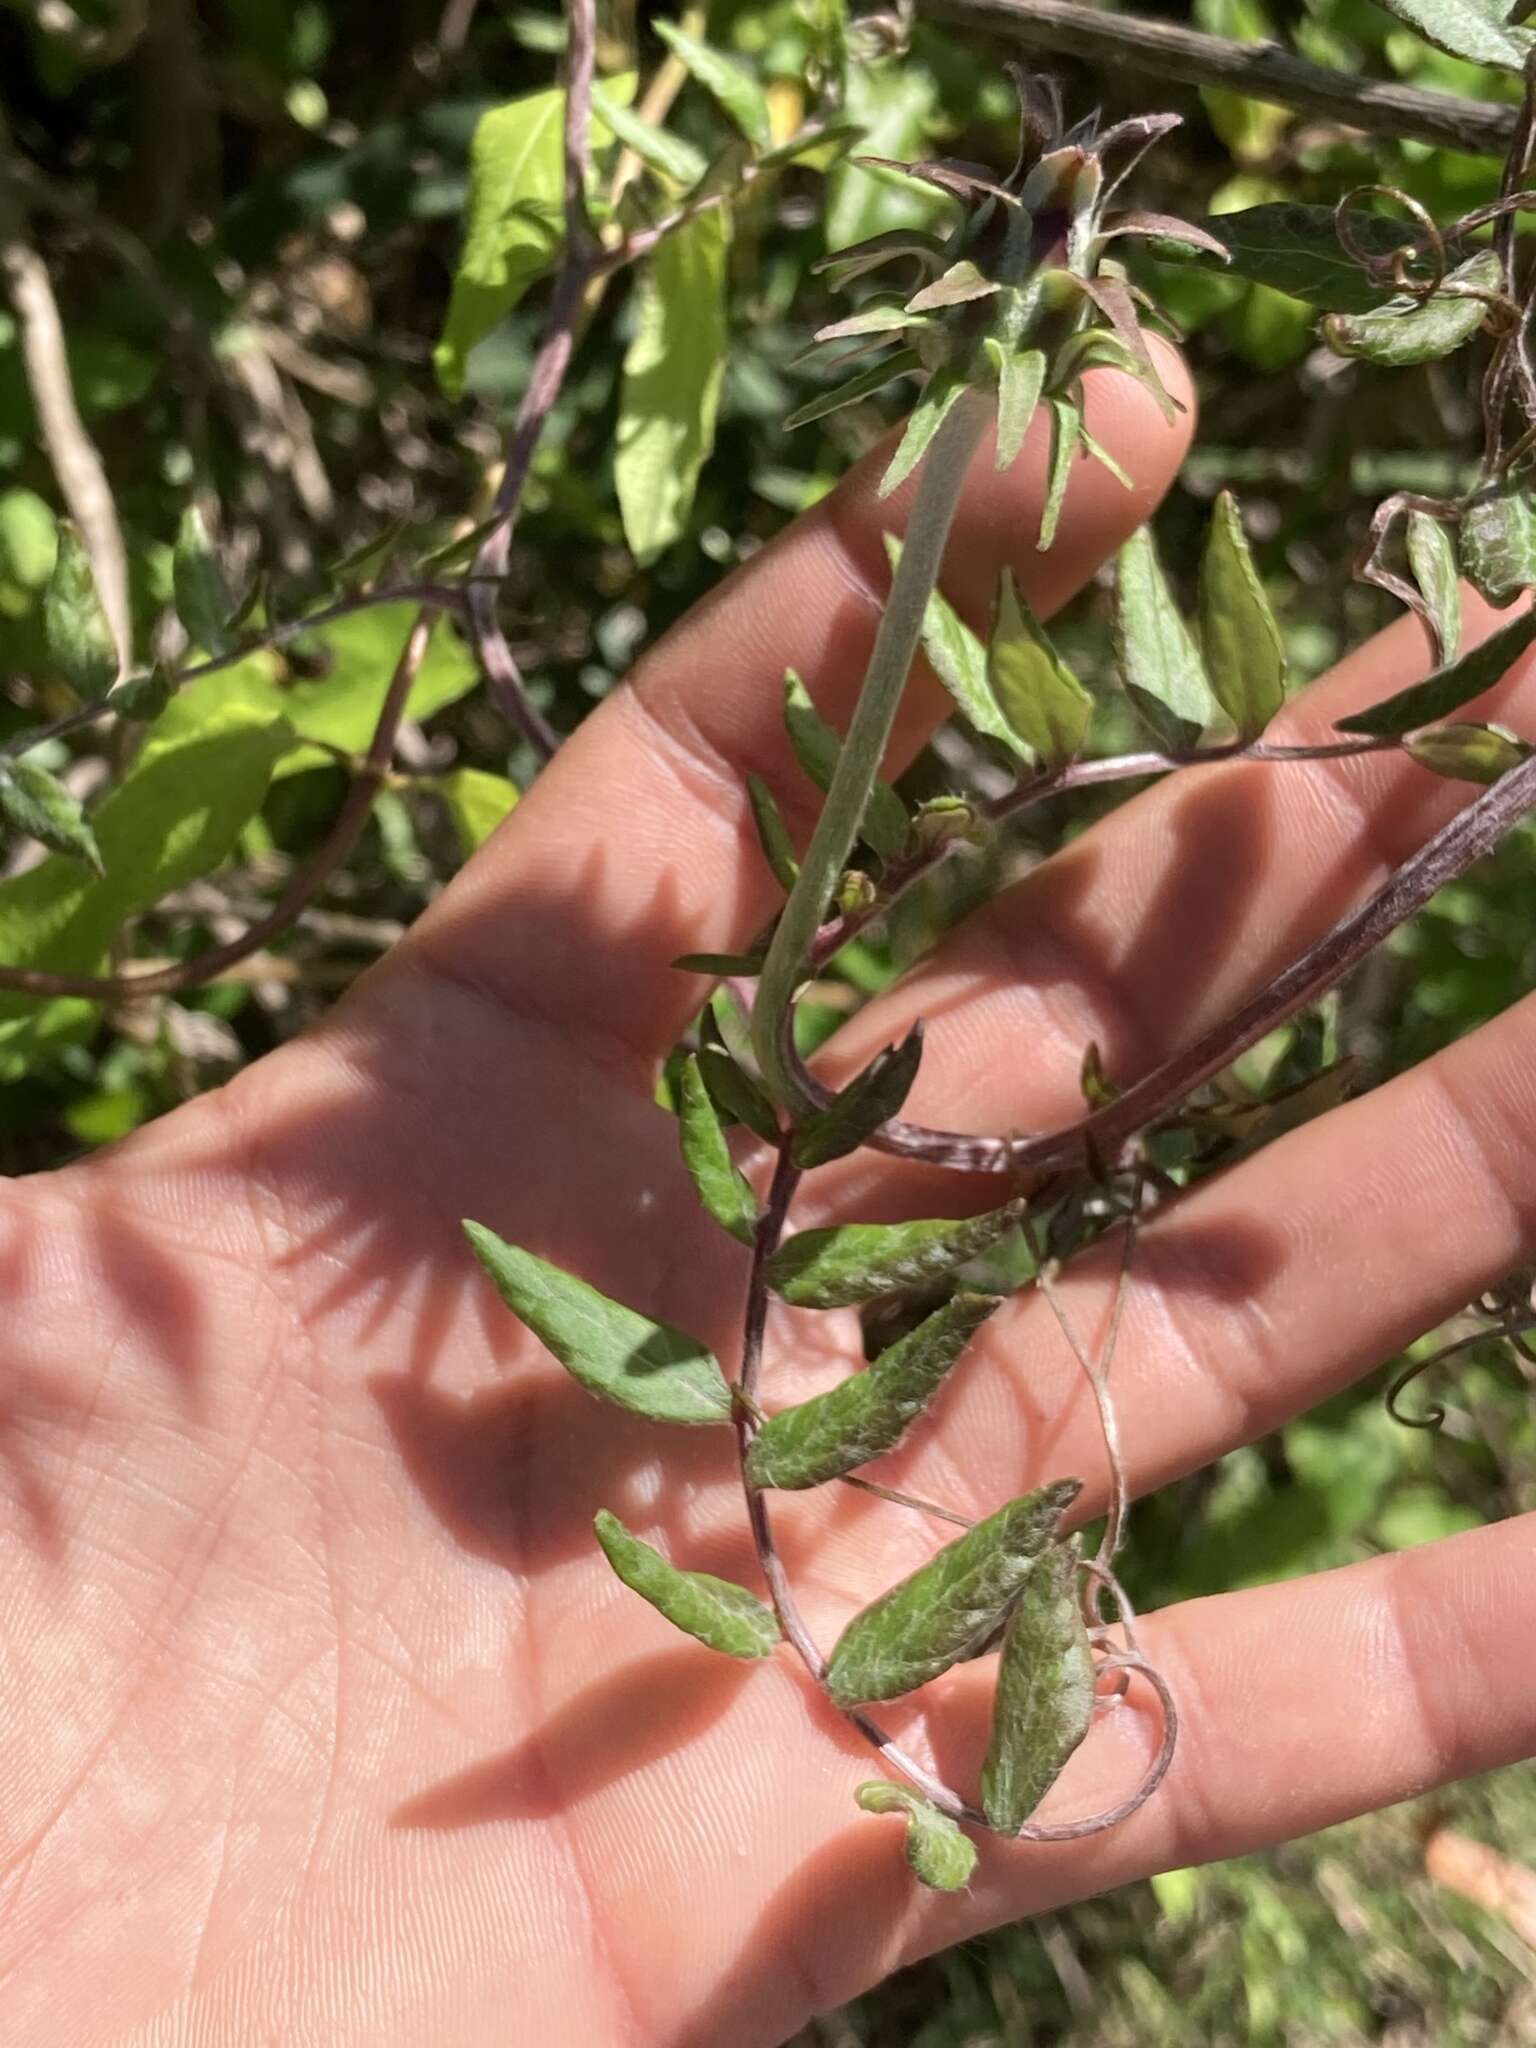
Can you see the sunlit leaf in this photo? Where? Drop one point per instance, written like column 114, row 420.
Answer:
column 721, row 1185
column 1020, row 377
column 717, row 1612
column 80, row 642
column 852, row 1262
column 203, row 600
column 663, row 151
column 736, row 92
column 1408, row 330
column 901, row 364
column 1457, row 683
column 1159, row 662
column 1478, row 30
column 941, row 394
column 1032, row 686
column 1432, row 558
column 36, row 803
column 1045, row 1689
column 941, row 1856
column 476, row 801
column 958, row 657
column 1244, row 654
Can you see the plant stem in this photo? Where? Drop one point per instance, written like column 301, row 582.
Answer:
column 1260, row 71
column 941, row 481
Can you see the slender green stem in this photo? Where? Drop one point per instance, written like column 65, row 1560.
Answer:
column 938, row 496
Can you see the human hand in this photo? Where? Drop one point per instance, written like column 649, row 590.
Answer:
column 328, row 1722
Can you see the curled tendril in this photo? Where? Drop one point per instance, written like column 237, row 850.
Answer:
column 1511, row 1332
column 1433, row 1416
column 1129, row 1661
column 1392, row 267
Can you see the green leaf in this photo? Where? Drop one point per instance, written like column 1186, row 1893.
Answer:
column 851, row 1262
column 870, row 1411
column 1498, row 543
column 80, row 642
column 719, row 964
column 664, row 152
column 1478, row 30
column 1159, row 662
column 1467, row 753
column 736, row 92
column 717, row 1612
column 38, row 804
column 1244, row 654
column 1408, row 330
column 959, row 660
column 203, row 601
column 1066, row 429
column 943, row 1612
column 28, row 538
column 1036, row 691
column 943, row 391
column 1020, row 378
column 1432, row 558
column 772, row 833
column 869, row 1100
column 670, row 391
column 1296, row 249
column 735, row 1094
column 650, row 1367
column 1045, row 1690
column 901, row 364
column 476, row 802
column 817, row 747
column 1435, row 698
column 940, row 1855
column 722, row 1187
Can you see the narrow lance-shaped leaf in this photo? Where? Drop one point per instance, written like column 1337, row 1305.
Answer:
column 79, row 639
column 1435, row 698
column 869, row 1100
column 1159, row 662
column 1019, row 381
column 1498, row 543
column 959, row 660
column 868, row 1413
column 1432, row 558
column 1408, row 330
column 721, row 1185
column 1244, row 654
column 940, row 1855
column 1066, row 428
column 717, row 1612
column 772, row 833
column 1045, row 1686
column 853, row 1262
column 735, row 1094
column 651, row 1367
column 943, row 391
column 1467, row 753
column 738, row 94
column 945, row 1610
column 658, row 147
column 38, row 804
column 1035, row 690
column 901, row 364
column 203, row 600
column 817, row 747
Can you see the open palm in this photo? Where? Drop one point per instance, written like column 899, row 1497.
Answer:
column 326, row 1722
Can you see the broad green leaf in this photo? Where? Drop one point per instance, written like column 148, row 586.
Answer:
column 870, row 1411
column 735, row 1094
column 1159, row 662
column 717, row 1612
column 1033, row 687
column 1044, row 1693
column 653, row 1368
column 1432, row 558
column 817, row 747
column 28, row 538
column 203, row 601
column 671, row 385
column 1020, row 378
column 514, row 222
column 1467, row 753
column 1295, row 249
column 476, row 802
column 1434, row 699
column 772, row 833
column 663, row 151
column 721, row 1185
column 1066, row 430
column 198, row 779
column 37, row 803
column 940, row 395
column 1244, row 654
column 944, row 1611
column 895, row 105
column 80, row 643
column 734, row 90
column 870, row 1099
column 1478, row 30
column 901, row 364
column 959, row 660
column 1498, row 543
column 1409, row 330
column 940, row 1855
column 851, row 1262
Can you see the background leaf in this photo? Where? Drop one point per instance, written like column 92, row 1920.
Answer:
column 37, row 803
column 80, row 643
column 736, row 91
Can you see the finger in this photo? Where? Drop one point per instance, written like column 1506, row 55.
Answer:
column 637, row 844
column 1152, row 927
